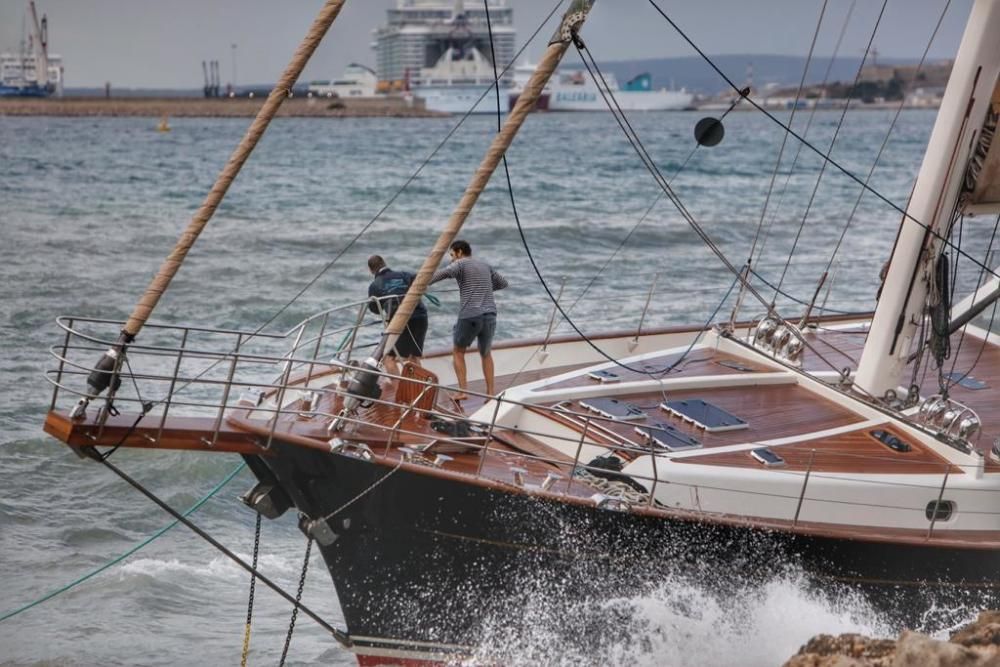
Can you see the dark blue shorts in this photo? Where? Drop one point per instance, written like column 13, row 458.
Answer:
column 479, row 328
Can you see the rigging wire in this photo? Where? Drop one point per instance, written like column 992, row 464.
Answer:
column 93, row 573
column 868, row 188
column 833, row 141
column 650, row 165
column 354, row 239
column 534, row 265
column 951, row 376
column 340, row 635
column 642, row 218
column 885, row 140
column 633, row 138
column 805, row 132
column 784, row 136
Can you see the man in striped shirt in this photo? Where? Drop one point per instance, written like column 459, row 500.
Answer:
column 477, row 314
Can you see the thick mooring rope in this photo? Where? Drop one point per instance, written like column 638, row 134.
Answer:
column 282, row 89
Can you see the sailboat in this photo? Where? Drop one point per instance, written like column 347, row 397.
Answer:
column 602, row 461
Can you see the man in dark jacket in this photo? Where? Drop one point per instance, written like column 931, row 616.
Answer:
column 385, row 294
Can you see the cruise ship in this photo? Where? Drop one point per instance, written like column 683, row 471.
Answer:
column 440, row 51
column 33, row 71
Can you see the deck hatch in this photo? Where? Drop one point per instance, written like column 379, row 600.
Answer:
column 604, row 376
column 704, row 415
column 891, row 441
column 668, row 437
column 966, row 380
column 612, row 408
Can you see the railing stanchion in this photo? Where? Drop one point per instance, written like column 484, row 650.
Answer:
column 645, row 309
column 656, row 474
column 576, row 458
column 292, row 353
column 489, row 436
column 173, row 383
column 555, row 311
column 319, row 342
column 805, row 483
column 62, row 365
column 937, row 505
column 280, row 397
column 354, row 331
column 226, row 389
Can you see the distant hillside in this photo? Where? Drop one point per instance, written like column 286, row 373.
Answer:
column 696, row 75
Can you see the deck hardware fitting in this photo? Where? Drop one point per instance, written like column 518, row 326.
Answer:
column 550, row 479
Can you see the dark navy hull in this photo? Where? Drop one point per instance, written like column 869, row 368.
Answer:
column 23, row 91
column 419, row 558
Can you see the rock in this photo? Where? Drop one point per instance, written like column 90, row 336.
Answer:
column 975, row 645
column 984, row 631
column 848, row 650
column 916, row 650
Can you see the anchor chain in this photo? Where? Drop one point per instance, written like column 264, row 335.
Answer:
column 298, row 598
column 253, row 584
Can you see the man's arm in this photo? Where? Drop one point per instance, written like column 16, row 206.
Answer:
column 372, row 301
column 450, row 271
column 499, row 282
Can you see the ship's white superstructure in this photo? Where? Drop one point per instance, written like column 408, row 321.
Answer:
column 441, row 52
column 33, row 71
column 356, row 81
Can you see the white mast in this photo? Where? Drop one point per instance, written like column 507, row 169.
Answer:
column 41, row 51
column 963, row 109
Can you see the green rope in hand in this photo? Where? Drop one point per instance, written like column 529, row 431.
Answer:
column 128, row 553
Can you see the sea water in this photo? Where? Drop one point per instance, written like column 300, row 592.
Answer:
column 89, row 207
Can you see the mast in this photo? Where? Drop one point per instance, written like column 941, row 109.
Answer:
column 571, row 23
column 41, row 50
column 963, row 109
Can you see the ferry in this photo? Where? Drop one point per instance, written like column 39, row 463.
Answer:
column 575, row 90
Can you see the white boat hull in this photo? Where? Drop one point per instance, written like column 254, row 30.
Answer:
column 588, row 99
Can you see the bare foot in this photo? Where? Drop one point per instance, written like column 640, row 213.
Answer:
column 459, row 396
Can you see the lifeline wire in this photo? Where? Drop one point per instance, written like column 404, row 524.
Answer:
column 820, row 153
column 73, row 584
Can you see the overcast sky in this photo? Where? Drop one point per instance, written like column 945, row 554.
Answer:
column 161, row 44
